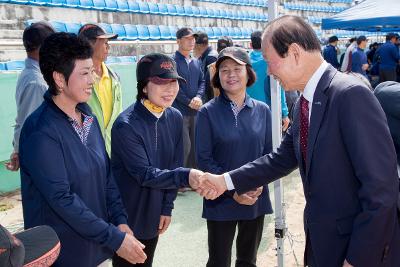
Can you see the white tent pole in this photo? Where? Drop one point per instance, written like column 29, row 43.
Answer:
column 280, row 225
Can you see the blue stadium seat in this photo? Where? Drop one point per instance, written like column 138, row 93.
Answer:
column 223, row 14
column 106, row 27
column 134, row 7
column 171, row 10
column 143, row 32
column 264, row 17
column 58, row 26
column 120, row 30
column 201, row 29
column 111, row 5
column 210, row 32
column 123, row 5
column 112, row 60
column 131, row 32
column 229, row 14
column 196, row 11
column 247, row 32
column 165, row 32
column 86, row 4
column 230, row 32
column 58, row 2
column 238, row 32
column 3, row 66
column 188, row 11
column 72, row 27
column 224, row 31
column 217, row 13
column 154, row 32
column 72, row 3
column 15, row 65
column 173, row 30
column 99, row 4
column 245, row 15
column 40, row 2
column 203, row 12
column 127, row 59
column 153, row 8
column 235, row 14
column 180, row 11
column 162, row 9
column 217, row 32
column 144, row 7
column 210, row 12
column 252, row 15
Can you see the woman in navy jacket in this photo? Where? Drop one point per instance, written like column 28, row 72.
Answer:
column 147, row 153
column 233, row 129
column 66, row 181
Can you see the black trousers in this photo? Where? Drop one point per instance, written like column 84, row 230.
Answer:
column 150, row 244
column 387, row 75
column 220, row 240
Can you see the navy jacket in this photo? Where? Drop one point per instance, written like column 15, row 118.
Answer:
column 350, row 178
column 194, row 85
column 146, row 155
column 388, row 56
column 358, row 58
column 388, row 94
column 224, row 143
column 330, row 55
column 69, row 186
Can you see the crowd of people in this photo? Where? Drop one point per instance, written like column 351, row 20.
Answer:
column 105, row 179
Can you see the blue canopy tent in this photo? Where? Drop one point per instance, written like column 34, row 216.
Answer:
column 369, row 15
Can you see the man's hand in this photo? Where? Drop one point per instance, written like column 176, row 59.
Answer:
column 211, row 186
column 164, row 223
column 196, row 103
column 194, row 178
column 13, row 165
column 125, row 229
column 255, row 193
column 132, row 250
column 347, row 264
column 244, row 199
column 285, row 123
column 365, row 66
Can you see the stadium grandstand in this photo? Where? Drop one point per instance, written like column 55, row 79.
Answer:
column 142, row 27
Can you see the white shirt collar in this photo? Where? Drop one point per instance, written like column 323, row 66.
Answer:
column 311, row 85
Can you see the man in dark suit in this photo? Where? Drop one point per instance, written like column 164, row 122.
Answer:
column 342, row 145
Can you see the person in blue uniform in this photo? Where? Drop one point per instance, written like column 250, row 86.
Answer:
column 233, row 129
column 66, row 179
column 330, row 52
column 147, row 153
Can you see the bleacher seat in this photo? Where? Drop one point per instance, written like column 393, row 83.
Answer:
column 58, row 26
column 123, row 5
column 39, row 2
column 86, row 4
column 120, row 30
column 99, row 4
column 229, row 14
column 131, row 32
column 231, row 32
column 112, row 60
column 210, row 32
column 217, row 13
column 143, row 32
column 153, row 8
column 165, row 32
column 111, row 5
column 72, row 27
column 196, row 11
column 173, row 30
column 58, row 2
column 3, row 66
column 72, row 3
column 203, row 12
column 127, row 59
column 223, row 14
column 217, row 32
column 154, row 32
column 188, row 11
column 235, row 14
column 201, row 29
column 171, row 10
column 144, row 7
column 238, row 32
column 162, row 9
column 224, row 31
column 15, row 65
column 134, row 7
column 210, row 12
column 180, row 11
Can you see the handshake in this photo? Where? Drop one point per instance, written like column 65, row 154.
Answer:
column 207, row 185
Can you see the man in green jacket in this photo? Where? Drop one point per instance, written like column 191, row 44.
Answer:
column 105, row 102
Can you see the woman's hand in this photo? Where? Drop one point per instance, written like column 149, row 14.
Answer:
column 164, row 223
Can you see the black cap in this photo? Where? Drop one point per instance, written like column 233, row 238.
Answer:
column 39, row 245
column 391, row 35
column 224, row 42
column 361, row 38
column 93, row 32
column 184, row 32
column 35, row 34
column 156, row 65
column 201, row 38
column 238, row 54
column 333, row 39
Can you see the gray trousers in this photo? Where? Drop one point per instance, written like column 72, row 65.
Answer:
column 189, row 124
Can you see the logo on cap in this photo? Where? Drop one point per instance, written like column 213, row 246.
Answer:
column 166, row 65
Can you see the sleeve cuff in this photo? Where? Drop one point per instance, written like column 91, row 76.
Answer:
column 120, row 220
column 167, row 211
column 116, row 238
column 228, row 181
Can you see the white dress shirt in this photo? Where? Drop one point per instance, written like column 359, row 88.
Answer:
column 308, row 94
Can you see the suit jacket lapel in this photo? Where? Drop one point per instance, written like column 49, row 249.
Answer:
column 317, row 112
